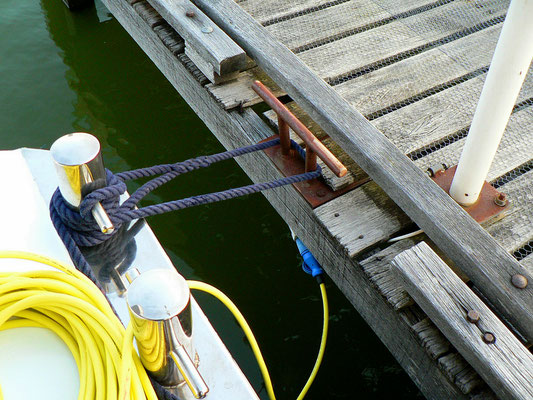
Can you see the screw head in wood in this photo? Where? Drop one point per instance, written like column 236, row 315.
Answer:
column 519, row 281
column 501, row 200
column 190, row 14
column 473, row 316
column 207, row 29
column 489, row 338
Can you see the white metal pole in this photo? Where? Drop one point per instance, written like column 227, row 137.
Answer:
column 507, row 72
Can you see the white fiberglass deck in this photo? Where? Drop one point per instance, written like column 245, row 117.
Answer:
column 34, row 363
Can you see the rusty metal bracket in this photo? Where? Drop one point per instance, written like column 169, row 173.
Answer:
column 289, row 162
column 491, row 203
column 314, row 191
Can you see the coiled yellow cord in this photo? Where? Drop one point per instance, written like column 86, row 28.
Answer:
column 196, row 285
column 70, row 305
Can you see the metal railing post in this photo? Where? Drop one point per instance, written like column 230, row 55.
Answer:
column 507, row 72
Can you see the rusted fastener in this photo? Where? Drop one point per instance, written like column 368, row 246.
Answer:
column 489, row 338
column 190, row 14
column 473, row 316
column 501, row 200
column 519, row 281
column 432, row 171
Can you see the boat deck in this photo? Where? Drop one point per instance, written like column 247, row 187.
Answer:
column 415, row 70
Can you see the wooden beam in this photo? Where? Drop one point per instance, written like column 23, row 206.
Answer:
column 213, row 52
column 487, row 264
column 506, row 365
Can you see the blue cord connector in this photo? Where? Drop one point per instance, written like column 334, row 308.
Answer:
column 310, row 265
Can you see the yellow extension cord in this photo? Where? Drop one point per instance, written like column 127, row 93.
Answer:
column 70, row 305
column 253, row 342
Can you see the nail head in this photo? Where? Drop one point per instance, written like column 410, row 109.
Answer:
column 501, row 200
column 489, row 338
column 519, row 281
column 472, row 316
column 190, row 14
column 207, row 29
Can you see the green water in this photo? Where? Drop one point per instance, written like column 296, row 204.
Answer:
column 63, row 72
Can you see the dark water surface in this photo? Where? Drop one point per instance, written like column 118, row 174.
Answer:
column 63, row 72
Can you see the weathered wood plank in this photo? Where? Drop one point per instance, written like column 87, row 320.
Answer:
column 516, row 228
column 514, row 150
column 381, row 224
column 432, row 340
column 460, row 372
column 239, row 92
column 355, row 53
column 423, row 73
column 170, row 38
column 271, row 10
column 377, row 268
column 235, row 129
column 148, row 14
column 361, row 218
column 420, row 128
column 457, row 235
column 332, row 23
column 418, row 125
column 309, row 28
column 206, row 44
column 528, row 262
column 506, row 365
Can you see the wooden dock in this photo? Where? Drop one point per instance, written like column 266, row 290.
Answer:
column 390, row 87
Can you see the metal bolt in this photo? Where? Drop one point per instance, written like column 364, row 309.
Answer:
column 519, row 281
column 336, row 214
column 361, row 237
column 489, row 338
column 434, row 169
column 190, row 14
column 321, row 193
column 501, row 200
column 207, row 29
column 473, row 316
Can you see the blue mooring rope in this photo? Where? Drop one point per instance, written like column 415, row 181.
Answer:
column 79, row 229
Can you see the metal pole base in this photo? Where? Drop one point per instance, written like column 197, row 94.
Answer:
column 491, row 204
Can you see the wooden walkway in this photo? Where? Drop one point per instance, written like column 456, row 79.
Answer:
column 415, row 70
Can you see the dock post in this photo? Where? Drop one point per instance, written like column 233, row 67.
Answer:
column 507, row 72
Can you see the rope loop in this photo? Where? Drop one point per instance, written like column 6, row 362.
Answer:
column 83, row 230
column 108, row 196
